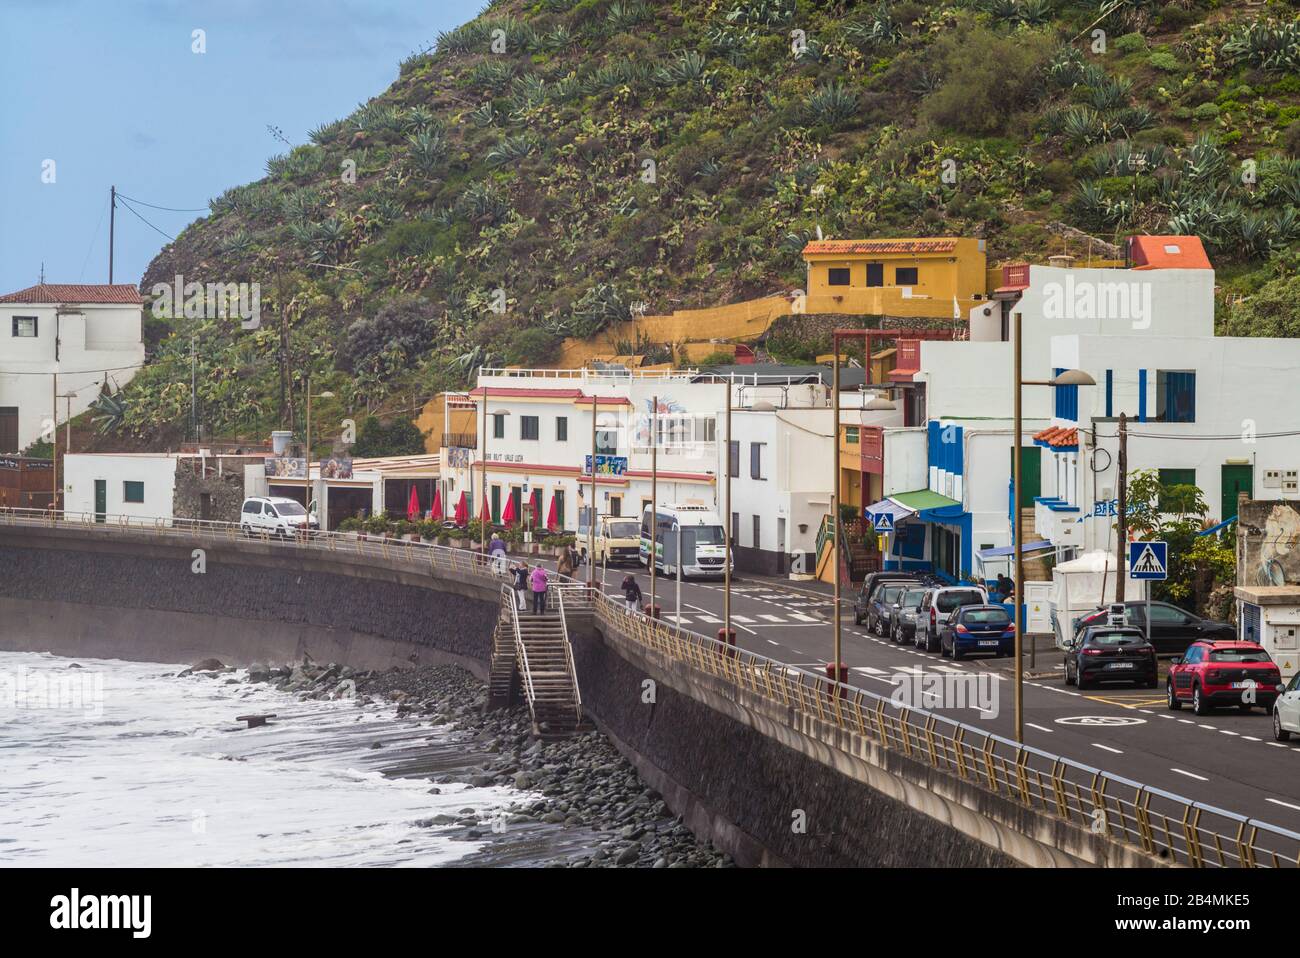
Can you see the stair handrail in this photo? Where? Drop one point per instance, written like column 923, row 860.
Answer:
column 568, row 654
column 521, row 651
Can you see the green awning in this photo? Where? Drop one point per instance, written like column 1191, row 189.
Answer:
column 923, row 499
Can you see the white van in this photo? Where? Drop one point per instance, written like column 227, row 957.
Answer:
column 703, row 541
column 275, row 516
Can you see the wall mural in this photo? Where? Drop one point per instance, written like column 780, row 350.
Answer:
column 1268, row 543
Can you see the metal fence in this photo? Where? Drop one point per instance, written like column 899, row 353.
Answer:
column 1159, row 822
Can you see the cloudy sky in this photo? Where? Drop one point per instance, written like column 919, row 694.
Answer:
column 97, row 94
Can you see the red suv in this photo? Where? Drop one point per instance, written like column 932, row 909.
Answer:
column 1214, row 673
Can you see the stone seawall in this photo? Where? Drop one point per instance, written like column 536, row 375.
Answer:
column 136, row 596
column 765, row 783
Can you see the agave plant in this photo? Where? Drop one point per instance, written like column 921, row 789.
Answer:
column 494, row 75
column 625, row 14
column 426, row 150
column 558, row 39
column 418, row 118
column 526, row 93
column 707, row 168
column 326, row 133
column 111, row 411
column 1082, row 125
column 832, row 104
column 1205, row 162
column 482, row 203
column 1255, row 236
column 238, row 242
column 878, row 29
column 1109, row 93
column 510, row 149
column 483, row 115
column 1267, row 44
column 300, row 205
column 690, row 67
column 764, row 12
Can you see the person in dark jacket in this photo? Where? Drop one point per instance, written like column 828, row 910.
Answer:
column 631, row 592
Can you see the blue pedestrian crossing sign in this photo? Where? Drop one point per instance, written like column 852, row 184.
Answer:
column 882, row 522
column 1148, row 560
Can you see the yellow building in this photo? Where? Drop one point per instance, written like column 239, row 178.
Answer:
column 942, row 277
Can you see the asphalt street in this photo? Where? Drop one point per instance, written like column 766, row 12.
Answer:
column 1227, row 759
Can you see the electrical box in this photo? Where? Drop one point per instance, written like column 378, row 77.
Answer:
column 1272, row 479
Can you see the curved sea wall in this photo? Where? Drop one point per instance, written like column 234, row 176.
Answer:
column 768, row 784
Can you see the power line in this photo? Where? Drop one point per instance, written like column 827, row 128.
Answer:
column 93, row 236
column 153, row 206
column 137, row 215
column 1236, row 436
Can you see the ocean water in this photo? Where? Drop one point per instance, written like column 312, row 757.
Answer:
column 123, row 764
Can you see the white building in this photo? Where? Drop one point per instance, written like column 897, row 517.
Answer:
column 539, row 442
column 1203, row 410
column 87, row 335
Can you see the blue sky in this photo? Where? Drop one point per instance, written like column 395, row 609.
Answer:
column 113, row 94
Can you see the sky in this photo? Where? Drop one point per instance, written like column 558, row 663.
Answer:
column 110, row 92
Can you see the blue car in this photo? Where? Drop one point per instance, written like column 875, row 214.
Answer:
column 986, row 629
column 880, row 614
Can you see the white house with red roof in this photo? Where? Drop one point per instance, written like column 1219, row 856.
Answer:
column 68, row 339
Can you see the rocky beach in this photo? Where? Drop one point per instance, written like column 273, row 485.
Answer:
column 580, row 805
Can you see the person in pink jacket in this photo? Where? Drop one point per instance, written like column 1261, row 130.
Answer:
column 540, row 581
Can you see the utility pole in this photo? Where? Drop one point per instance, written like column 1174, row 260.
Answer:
column 727, row 635
column 194, row 408
column 483, row 477
column 112, row 216
column 1122, row 524
column 835, row 507
column 1017, row 534
column 54, row 445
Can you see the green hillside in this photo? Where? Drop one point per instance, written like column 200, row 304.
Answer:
column 585, row 156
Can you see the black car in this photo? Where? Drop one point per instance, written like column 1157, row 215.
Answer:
column 1172, row 629
column 880, row 614
column 862, row 601
column 986, row 629
column 1110, row 653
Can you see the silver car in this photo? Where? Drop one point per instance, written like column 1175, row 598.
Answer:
column 905, row 612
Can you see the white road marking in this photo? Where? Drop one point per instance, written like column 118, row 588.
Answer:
column 772, row 618
column 1276, row 801
column 1251, row 738
column 742, row 618
column 1039, row 727
column 1199, row 778
column 804, row 618
column 868, row 670
column 1107, row 748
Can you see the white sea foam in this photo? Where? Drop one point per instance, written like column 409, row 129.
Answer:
column 163, row 775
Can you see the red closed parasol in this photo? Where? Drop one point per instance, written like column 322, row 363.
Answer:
column 508, row 517
column 436, row 509
column 485, row 516
column 413, row 507
column 553, row 517
column 462, row 510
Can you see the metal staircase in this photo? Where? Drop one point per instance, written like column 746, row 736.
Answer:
column 531, row 654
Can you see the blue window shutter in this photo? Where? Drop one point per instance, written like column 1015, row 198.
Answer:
column 1142, row 395
column 1110, row 393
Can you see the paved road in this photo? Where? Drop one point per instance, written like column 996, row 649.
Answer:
column 1227, row 759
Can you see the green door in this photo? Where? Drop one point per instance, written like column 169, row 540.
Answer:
column 101, row 499
column 1235, row 478
column 1031, row 477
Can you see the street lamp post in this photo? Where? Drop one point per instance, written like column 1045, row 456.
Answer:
column 591, row 509
column 727, row 635
column 654, row 499
column 1070, row 377
column 307, row 450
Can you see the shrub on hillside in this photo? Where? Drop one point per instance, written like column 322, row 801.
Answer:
column 396, row 438
column 403, row 325
column 987, row 77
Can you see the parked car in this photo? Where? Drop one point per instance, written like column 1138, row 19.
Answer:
column 1286, row 711
column 905, row 609
column 935, row 607
column 880, row 614
column 977, row 628
column 1111, row 653
column 1172, row 629
column 1213, row 674
column 275, row 516
column 862, row 601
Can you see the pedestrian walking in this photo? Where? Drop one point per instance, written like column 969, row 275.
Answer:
column 631, row 592
column 520, row 573
column 497, row 550
column 565, row 566
column 540, row 580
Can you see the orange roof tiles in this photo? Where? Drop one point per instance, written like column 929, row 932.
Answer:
column 1058, row 436
column 1168, row 252
column 75, row 293
column 880, row 247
